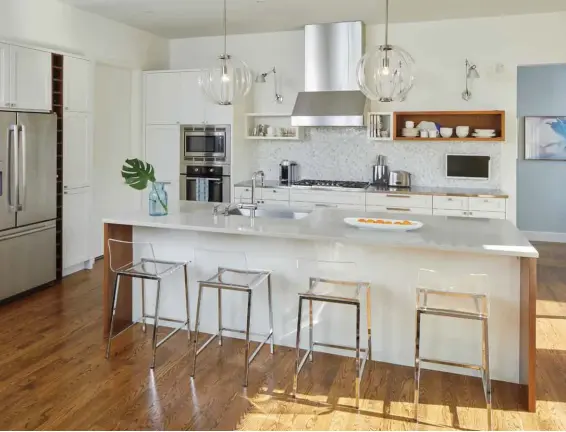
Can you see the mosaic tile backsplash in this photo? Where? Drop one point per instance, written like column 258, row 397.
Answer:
column 346, row 154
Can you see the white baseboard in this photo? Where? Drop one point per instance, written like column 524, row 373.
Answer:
column 87, row 265
column 551, row 237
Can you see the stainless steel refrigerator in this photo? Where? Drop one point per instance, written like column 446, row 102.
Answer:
column 28, row 201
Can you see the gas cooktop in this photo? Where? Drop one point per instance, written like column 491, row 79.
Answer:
column 331, row 184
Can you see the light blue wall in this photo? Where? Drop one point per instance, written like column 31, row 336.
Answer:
column 541, row 185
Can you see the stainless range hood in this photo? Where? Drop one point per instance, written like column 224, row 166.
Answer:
column 332, row 96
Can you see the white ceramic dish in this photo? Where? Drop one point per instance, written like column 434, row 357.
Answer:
column 483, row 135
column 446, row 132
column 484, row 131
column 410, row 133
column 384, row 227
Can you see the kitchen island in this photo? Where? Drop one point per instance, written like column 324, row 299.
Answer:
column 390, row 260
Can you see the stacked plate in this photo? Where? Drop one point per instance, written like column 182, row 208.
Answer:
column 484, row 133
column 410, row 132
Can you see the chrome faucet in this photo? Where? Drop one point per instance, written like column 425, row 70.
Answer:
column 254, row 181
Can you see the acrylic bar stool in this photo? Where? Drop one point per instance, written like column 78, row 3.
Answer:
column 147, row 267
column 449, row 303
column 231, row 274
column 327, row 283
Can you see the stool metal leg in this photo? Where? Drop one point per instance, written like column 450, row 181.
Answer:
column 298, row 348
column 197, row 323
column 270, row 301
column 358, row 378
column 114, row 303
column 486, row 375
column 187, row 304
column 219, row 316
column 417, row 364
column 144, row 327
column 247, row 350
column 156, row 323
column 311, row 325
column 368, row 317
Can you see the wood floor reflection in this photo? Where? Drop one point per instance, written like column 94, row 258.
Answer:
column 53, row 375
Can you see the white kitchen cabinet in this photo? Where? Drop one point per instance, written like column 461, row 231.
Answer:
column 330, row 197
column 218, row 114
column 163, row 98
column 449, row 212
column 488, row 204
column 30, row 79
column 162, row 150
column 77, row 80
column 318, row 205
column 450, row 202
column 192, row 100
column 4, row 75
column 487, row 215
column 76, row 217
column 77, row 154
column 399, row 200
column 400, row 210
column 273, row 203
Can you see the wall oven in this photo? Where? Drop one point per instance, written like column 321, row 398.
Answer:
column 210, row 142
column 205, row 183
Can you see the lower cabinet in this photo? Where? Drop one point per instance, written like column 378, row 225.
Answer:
column 76, row 220
column 470, row 214
column 271, row 203
column 400, row 210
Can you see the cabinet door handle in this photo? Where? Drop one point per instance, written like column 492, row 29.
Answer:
column 397, row 196
column 398, row 209
column 326, row 205
column 7, row 104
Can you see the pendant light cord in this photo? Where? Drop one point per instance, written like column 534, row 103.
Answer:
column 225, row 31
column 386, row 23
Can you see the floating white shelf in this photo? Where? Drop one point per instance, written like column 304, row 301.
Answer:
column 280, row 122
column 379, row 122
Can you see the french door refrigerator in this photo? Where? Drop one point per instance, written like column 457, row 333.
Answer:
column 28, row 201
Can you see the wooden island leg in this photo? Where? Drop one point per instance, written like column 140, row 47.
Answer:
column 528, row 346
column 120, row 256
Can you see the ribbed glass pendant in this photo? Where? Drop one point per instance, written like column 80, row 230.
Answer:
column 385, row 73
column 227, row 81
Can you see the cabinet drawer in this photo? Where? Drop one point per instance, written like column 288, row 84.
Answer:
column 273, row 194
column 403, row 210
column 357, row 198
column 242, row 194
column 488, row 204
column 487, row 215
column 399, row 200
column 271, row 203
column 451, row 203
column 313, row 206
column 446, row 212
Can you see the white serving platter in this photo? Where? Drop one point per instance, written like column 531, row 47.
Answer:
column 383, row 227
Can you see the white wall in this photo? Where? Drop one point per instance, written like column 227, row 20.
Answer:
column 497, row 45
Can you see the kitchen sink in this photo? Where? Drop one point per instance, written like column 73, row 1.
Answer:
column 270, row 213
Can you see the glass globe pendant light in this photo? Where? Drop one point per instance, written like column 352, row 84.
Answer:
column 385, row 73
column 229, row 80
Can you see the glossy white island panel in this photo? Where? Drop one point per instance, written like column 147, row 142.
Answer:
column 390, row 261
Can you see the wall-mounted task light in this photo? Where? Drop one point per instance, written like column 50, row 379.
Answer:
column 261, row 79
column 471, row 73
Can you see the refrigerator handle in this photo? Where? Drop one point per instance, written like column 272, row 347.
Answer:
column 13, row 164
column 22, row 192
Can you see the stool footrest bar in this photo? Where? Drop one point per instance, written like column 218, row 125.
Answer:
column 260, row 346
column 207, row 343
column 303, row 361
column 170, row 335
column 450, row 363
column 343, row 347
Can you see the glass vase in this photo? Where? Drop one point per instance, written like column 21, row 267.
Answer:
column 158, row 200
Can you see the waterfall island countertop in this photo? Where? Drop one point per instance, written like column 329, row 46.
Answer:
column 441, row 233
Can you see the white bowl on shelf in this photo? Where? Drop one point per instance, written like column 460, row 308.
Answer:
column 462, row 131
column 446, row 132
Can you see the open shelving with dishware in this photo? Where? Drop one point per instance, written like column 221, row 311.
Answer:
column 379, row 126
column 474, row 120
column 271, row 126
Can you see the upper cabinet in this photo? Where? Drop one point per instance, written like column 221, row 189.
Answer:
column 4, row 76
column 30, row 79
column 162, row 98
column 77, row 79
column 176, row 98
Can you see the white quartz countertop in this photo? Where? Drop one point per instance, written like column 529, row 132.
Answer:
column 439, row 233
column 414, row 190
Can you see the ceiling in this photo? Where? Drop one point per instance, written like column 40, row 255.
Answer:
column 192, row 18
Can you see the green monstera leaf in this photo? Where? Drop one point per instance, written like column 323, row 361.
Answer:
column 138, row 173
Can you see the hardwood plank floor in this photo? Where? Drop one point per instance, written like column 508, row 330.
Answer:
column 53, row 375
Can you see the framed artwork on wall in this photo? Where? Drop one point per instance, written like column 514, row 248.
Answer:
column 545, row 138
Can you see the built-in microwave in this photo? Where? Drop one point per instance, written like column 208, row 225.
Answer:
column 210, row 142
